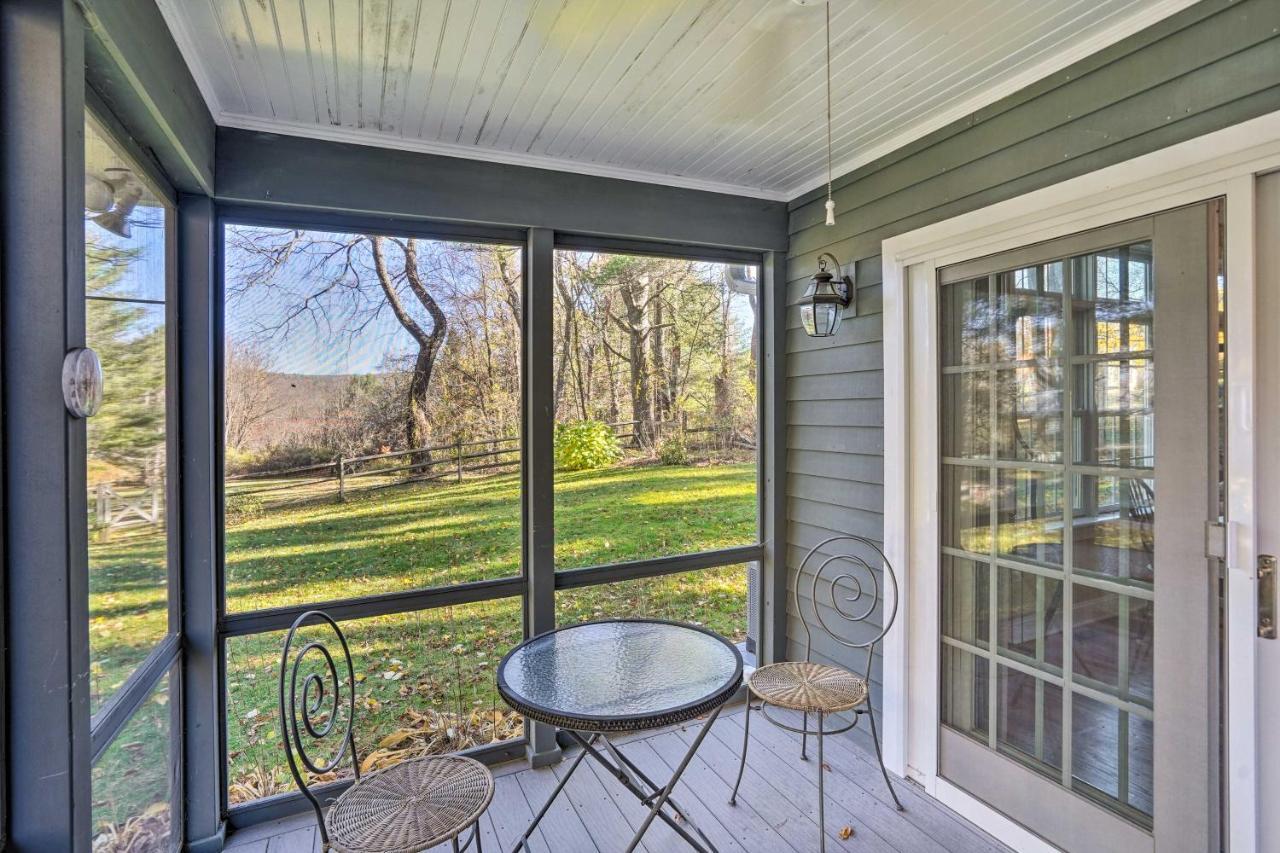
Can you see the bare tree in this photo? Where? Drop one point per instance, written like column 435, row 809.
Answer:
column 341, row 284
column 248, row 400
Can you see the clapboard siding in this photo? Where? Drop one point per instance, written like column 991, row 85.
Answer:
column 1212, row 65
column 851, row 467
column 835, row 412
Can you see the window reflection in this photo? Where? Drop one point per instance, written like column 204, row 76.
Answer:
column 1017, row 348
column 126, row 258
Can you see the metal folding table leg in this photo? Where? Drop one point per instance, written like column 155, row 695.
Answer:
column 661, row 801
column 619, row 771
column 524, row 839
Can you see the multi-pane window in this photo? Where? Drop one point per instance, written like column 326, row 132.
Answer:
column 1048, row 519
column 128, row 242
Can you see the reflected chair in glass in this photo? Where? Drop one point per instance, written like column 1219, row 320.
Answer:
column 409, row 807
column 850, row 575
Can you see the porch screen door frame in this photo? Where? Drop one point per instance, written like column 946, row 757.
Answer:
column 1184, row 706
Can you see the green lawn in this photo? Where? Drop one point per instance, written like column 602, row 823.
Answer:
column 425, row 680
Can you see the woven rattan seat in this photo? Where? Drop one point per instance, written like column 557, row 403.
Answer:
column 410, row 807
column 812, row 687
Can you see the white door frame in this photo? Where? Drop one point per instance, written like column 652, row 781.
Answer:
column 1223, row 163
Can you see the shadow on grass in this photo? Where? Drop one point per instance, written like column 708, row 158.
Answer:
column 421, row 535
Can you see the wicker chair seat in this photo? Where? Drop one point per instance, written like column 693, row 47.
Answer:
column 410, row 807
column 812, row 687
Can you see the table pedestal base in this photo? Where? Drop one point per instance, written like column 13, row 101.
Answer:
column 658, row 799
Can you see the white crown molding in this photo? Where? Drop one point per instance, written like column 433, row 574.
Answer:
column 1060, row 59
column 360, row 136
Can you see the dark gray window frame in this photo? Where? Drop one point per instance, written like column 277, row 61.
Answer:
column 538, row 583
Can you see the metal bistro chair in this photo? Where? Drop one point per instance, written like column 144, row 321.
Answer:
column 410, row 807
column 815, row 688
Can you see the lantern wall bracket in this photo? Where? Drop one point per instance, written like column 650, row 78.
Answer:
column 844, row 283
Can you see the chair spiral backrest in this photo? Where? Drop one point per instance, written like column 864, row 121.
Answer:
column 845, row 581
column 312, row 708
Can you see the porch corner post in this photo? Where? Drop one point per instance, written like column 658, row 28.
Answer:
column 47, row 792
column 537, row 462
column 773, row 460
column 200, row 414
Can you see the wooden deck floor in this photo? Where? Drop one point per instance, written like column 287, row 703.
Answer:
column 776, row 811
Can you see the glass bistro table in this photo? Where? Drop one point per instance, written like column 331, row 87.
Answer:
column 604, row 678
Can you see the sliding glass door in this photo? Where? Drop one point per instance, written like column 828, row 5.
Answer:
column 1076, row 406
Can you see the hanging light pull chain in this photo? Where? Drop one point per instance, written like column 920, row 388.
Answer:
column 831, row 202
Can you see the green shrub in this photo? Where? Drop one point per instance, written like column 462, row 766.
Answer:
column 242, row 507
column 583, row 445
column 282, row 457
column 237, row 461
column 672, row 450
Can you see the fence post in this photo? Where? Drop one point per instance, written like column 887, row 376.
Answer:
column 458, row 453
column 342, row 480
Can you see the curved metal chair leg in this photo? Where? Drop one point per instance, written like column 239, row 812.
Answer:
column 875, row 737
column 746, row 739
column 804, row 738
column 822, row 799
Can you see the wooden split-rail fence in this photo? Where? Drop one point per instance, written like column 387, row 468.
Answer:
column 346, row 475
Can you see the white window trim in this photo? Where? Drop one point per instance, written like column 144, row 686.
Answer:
column 1223, row 163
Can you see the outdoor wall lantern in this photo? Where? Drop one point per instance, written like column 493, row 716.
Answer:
column 825, row 299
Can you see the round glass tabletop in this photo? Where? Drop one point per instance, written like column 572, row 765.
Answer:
column 620, row 675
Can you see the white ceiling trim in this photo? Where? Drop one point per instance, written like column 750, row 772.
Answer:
column 1059, row 60
column 362, row 136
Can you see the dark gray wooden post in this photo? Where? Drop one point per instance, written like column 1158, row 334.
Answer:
column 200, row 420
column 537, row 461
column 48, row 796
column 772, row 453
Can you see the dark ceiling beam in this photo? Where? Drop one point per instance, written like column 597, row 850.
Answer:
column 271, row 169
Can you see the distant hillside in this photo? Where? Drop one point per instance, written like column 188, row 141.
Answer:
column 300, row 403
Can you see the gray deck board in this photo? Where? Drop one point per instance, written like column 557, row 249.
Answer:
column 776, row 810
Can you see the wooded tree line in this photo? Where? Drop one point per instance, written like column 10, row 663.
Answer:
column 637, row 338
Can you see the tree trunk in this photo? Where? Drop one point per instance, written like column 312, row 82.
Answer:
column 416, row 411
column 429, row 343
column 637, row 329
column 723, row 405
column 662, row 400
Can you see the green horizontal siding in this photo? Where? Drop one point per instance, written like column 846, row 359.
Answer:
column 1210, row 66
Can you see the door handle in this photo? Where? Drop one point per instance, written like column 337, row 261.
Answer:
column 1266, row 596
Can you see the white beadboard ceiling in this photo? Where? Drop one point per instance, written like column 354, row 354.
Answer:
column 716, row 94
